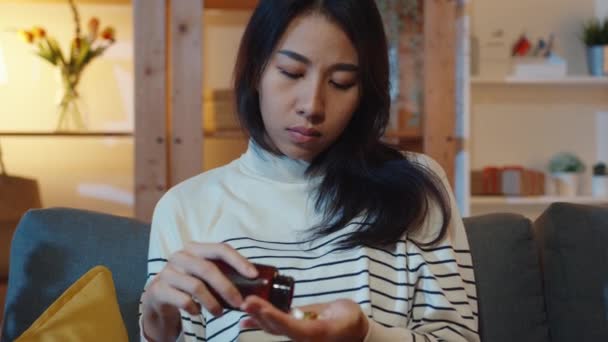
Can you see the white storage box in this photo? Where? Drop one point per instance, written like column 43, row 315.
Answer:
column 538, row 67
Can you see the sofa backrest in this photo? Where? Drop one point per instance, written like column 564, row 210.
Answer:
column 508, row 277
column 52, row 248
column 574, row 244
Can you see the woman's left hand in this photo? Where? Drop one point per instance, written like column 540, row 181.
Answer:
column 340, row 320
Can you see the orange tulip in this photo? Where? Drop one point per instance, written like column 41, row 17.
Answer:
column 93, row 26
column 26, row 36
column 39, row 32
column 108, row 33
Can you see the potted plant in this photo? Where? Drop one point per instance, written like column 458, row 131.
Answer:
column 599, row 181
column 595, row 38
column 566, row 169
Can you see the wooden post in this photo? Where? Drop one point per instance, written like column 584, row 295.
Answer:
column 439, row 82
column 150, row 105
column 186, row 146
column 462, row 181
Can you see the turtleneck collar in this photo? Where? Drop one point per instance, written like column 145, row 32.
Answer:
column 277, row 168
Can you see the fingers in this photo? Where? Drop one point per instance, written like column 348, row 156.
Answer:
column 169, row 298
column 192, row 288
column 275, row 321
column 208, row 275
column 249, row 323
column 226, row 253
column 192, row 278
column 265, row 321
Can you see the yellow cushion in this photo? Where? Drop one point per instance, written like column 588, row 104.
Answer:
column 87, row 311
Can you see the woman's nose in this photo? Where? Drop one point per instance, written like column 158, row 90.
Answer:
column 312, row 103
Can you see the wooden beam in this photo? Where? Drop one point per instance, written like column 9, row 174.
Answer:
column 186, row 145
column 439, row 83
column 150, row 105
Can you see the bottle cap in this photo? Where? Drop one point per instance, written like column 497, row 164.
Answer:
column 281, row 293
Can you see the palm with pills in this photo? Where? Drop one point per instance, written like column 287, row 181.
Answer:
column 339, row 320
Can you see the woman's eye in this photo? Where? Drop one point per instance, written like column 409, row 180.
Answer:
column 290, row 74
column 342, row 86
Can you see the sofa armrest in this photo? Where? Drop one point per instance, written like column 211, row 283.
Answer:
column 52, row 248
column 573, row 239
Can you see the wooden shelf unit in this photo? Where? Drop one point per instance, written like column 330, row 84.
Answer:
column 209, row 4
column 534, row 200
column 558, row 81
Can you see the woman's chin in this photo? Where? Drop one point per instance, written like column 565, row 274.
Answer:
column 298, row 153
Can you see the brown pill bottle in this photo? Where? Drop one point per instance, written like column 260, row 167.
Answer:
column 269, row 285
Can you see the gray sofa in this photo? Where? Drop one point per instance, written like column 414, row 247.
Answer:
column 541, row 281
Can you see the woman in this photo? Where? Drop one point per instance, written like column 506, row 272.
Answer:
column 369, row 234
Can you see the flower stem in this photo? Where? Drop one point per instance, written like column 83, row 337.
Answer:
column 76, row 17
column 68, row 107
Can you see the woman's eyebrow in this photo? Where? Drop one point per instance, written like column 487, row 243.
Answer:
column 296, row 56
column 345, row 67
column 303, row 59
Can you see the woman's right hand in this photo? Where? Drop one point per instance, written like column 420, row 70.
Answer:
column 184, row 283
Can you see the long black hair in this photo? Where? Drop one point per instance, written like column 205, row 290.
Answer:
column 363, row 178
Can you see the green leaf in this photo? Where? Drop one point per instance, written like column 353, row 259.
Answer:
column 565, row 162
column 605, row 32
column 599, row 169
column 595, row 32
column 46, row 53
column 85, row 51
column 47, row 58
column 78, row 55
column 54, row 46
column 93, row 54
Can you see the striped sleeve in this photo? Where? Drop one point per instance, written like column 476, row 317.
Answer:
column 444, row 300
column 166, row 237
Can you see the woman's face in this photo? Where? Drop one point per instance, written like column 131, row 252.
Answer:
column 310, row 87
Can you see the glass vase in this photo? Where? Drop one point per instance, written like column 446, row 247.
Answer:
column 69, row 107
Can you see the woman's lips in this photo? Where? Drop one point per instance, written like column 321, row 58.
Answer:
column 303, row 134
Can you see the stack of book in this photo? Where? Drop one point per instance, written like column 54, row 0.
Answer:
column 507, row 181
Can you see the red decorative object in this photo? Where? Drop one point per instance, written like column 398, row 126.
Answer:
column 522, row 46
